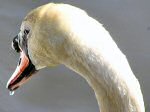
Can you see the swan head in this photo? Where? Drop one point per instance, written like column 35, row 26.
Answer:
column 35, row 43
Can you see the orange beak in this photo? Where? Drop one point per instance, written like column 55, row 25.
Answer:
column 23, row 72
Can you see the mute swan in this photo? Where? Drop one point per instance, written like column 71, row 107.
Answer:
column 63, row 34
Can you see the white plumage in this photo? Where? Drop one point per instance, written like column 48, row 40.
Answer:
column 64, row 34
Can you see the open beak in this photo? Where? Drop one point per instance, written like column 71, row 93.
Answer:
column 24, row 69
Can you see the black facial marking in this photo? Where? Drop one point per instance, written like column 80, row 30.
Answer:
column 15, row 44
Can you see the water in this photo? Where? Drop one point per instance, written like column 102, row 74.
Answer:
column 11, row 93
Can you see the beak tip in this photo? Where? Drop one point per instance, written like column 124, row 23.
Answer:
column 11, row 88
column 7, row 85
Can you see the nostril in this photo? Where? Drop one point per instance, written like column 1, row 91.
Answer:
column 19, row 62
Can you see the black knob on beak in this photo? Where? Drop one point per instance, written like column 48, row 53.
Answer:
column 15, row 44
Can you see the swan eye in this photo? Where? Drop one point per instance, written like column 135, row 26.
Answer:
column 26, row 32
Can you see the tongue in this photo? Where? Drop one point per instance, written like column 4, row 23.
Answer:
column 22, row 65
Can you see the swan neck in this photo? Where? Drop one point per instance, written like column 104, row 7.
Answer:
column 113, row 92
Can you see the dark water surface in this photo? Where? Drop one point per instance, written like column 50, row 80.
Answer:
column 59, row 89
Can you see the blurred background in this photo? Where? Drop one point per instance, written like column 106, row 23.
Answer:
column 60, row 89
